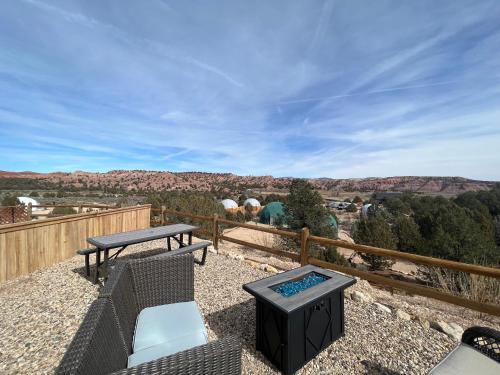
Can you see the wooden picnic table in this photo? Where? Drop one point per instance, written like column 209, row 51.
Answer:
column 121, row 240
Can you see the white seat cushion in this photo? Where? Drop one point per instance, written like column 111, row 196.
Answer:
column 165, row 323
column 167, row 348
column 465, row 360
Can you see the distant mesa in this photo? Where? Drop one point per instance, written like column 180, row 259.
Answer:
column 252, row 202
column 229, row 204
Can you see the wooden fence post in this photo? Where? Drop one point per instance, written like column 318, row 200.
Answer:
column 80, row 209
column 30, row 210
column 216, row 232
column 162, row 215
column 304, row 246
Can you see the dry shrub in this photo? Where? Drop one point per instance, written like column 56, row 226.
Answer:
column 267, row 239
column 478, row 288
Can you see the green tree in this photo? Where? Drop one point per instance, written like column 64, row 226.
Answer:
column 305, row 208
column 357, row 199
column 241, row 200
column 198, row 203
column 240, row 217
column 10, row 200
column 61, row 211
column 248, row 212
column 352, row 208
column 453, row 232
column 408, row 234
column 375, row 231
column 34, row 194
column 274, row 198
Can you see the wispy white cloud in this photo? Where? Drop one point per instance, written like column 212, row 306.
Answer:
column 338, row 89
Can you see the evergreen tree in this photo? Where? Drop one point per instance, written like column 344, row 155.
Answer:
column 408, row 234
column 351, row 208
column 375, row 231
column 357, row 199
column 305, row 208
column 10, row 200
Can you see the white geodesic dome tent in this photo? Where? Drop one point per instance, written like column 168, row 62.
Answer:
column 27, row 200
column 229, row 203
column 252, row 202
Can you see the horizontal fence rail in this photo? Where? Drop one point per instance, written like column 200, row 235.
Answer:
column 261, row 229
column 288, row 254
column 411, row 288
column 306, row 240
column 85, row 205
column 449, row 264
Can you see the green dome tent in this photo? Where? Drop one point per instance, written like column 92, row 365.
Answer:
column 271, row 212
column 333, row 222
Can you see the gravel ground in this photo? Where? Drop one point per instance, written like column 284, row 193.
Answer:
column 41, row 312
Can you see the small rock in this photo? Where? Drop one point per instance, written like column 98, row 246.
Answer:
column 361, row 297
column 363, row 284
column 271, row 269
column 236, row 256
column 212, row 250
column 452, row 330
column 423, row 322
column 403, row 315
column 252, row 263
column 458, row 330
column 266, row 267
column 382, row 308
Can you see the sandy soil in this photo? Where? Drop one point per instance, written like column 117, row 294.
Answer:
column 271, row 240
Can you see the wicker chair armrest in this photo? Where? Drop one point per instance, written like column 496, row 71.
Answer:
column 219, row 357
column 160, row 281
column 486, row 340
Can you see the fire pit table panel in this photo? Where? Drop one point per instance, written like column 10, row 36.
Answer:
column 293, row 329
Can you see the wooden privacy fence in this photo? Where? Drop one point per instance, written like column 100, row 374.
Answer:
column 303, row 257
column 29, row 246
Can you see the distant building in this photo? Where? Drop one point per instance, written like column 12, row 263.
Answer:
column 367, row 210
column 339, row 205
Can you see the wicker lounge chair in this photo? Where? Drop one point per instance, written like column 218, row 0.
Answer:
column 105, row 340
column 478, row 353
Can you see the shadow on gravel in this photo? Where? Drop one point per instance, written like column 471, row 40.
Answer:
column 238, row 320
column 122, row 256
column 374, row 368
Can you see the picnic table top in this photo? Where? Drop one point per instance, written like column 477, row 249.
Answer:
column 137, row 236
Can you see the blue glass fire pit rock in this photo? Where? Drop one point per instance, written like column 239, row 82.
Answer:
column 291, row 288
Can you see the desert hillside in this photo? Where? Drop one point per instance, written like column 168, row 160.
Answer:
column 131, row 180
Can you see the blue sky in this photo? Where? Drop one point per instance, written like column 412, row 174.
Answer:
column 289, row 88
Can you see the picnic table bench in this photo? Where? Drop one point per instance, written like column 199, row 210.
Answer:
column 120, row 241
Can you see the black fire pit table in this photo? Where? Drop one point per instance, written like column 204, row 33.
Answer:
column 298, row 314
